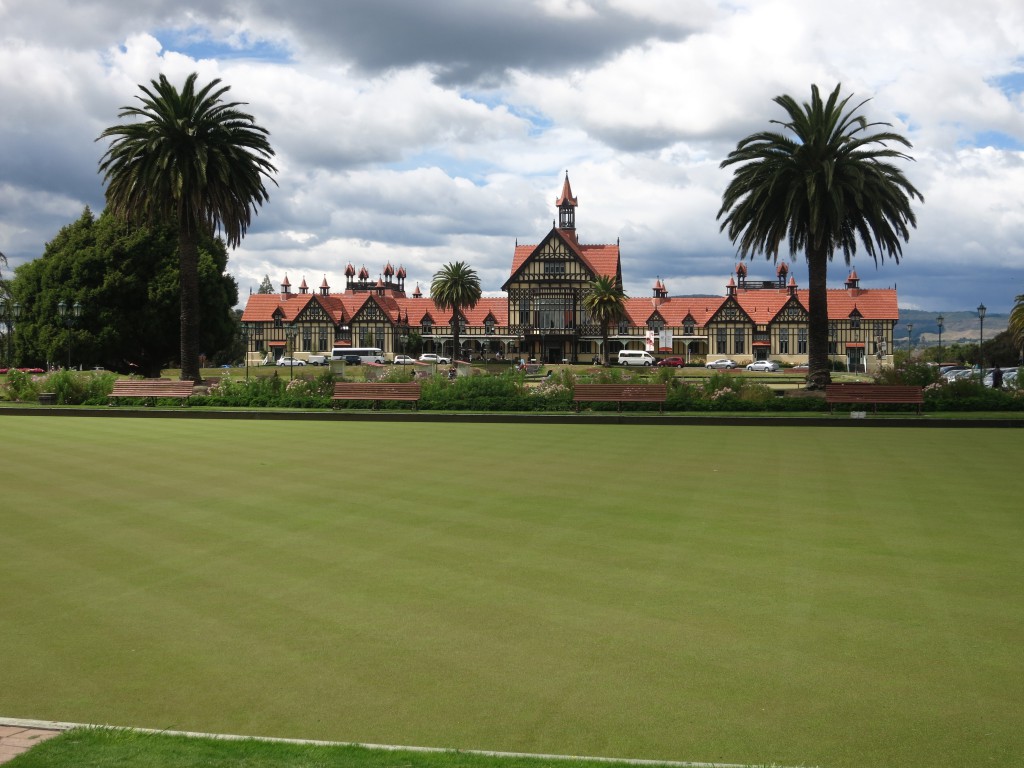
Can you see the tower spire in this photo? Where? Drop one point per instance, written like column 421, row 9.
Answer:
column 566, row 206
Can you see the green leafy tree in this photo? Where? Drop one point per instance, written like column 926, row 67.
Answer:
column 455, row 287
column 828, row 186
column 266, row 286
column 126, row 280
column 606, row 302
column 192, row 160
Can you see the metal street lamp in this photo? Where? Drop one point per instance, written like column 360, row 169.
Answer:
column 910, row 335
column 940, row 320
column 69, row 316
column 11, row 311
column 246, row 331
column 981, row 342
column 290, row 333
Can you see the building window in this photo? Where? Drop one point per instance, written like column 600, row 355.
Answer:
column 833, row 347
column 720, row 342
column 489, row 326
column 855, row 322
column 554, row 268
column 322, row 340
column 784, row 341
column 427, row 328
column 655, row 324
column 738, row 343
column 801, row 341
column 307, row 339
column 623, row 327
column 688, row 328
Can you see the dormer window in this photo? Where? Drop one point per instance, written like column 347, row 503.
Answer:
column 489, row 326
column 623, row 327
column 655, row 324
column 689, row 328
column 427, row 326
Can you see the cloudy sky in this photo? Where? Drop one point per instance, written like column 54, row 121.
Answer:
column 425, row 131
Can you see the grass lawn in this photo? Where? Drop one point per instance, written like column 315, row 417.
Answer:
column 808, row 596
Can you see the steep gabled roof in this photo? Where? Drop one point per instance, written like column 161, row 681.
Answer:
column 601, row 260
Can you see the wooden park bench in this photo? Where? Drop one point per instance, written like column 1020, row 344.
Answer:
column 150, row 389
column 377, row 391
column 873, row 394
column 620, row 393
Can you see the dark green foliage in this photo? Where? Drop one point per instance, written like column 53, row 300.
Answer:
column 909, row 371
column 971, row 395
column 126, row 280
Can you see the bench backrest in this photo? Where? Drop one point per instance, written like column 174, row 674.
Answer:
column 653, row 392
column 151, row 388
column 377, row 390
column 856, row 392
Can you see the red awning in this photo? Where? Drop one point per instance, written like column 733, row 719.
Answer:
column 277, row 343
column 855, row 344
column 762, row 343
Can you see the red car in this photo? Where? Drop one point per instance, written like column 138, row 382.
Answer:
column 671, row 362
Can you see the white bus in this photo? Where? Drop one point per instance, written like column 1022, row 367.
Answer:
column 364, row 354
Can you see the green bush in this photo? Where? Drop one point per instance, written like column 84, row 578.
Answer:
column 71, row 387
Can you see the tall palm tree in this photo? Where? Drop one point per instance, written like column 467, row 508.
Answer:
column 830, row 185
column 196, row 162
column 1017, row 325
column 606, row 302
column 456, row 287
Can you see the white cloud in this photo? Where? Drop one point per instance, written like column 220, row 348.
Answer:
column 432, row 135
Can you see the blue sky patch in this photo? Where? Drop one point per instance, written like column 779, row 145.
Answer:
column 1010, row 84
column 196, row 43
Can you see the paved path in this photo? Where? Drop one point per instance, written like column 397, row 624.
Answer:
column 15, row 739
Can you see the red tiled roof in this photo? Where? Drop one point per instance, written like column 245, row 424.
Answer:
column 602, row 260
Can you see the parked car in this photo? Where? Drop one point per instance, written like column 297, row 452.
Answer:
column 723, row 363
column 800, row 367
column 353, row 360
column 766, row 366
column 432, row 358
column 290, row 361
column 671, row 362
column 403, row 360
column 317, row 360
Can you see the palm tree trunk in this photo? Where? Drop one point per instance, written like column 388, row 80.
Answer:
column 188, row 264
column 455, row 335
column 604, row 343
column 818, row 367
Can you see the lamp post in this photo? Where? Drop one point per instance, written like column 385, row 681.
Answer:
column 981, row 341
column 910, row 335
column 940, row 320
column 69, row 316
column 11, row 313
column 289, row 333
column 245, row 332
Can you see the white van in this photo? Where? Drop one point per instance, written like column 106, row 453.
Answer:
column 635, row 357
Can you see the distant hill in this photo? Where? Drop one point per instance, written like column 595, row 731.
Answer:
column 956, row 326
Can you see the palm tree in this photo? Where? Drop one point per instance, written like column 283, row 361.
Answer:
column 456, row 287
column 606, row 302
column 1017, row 325
column 193, row 161
column 829, row 186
